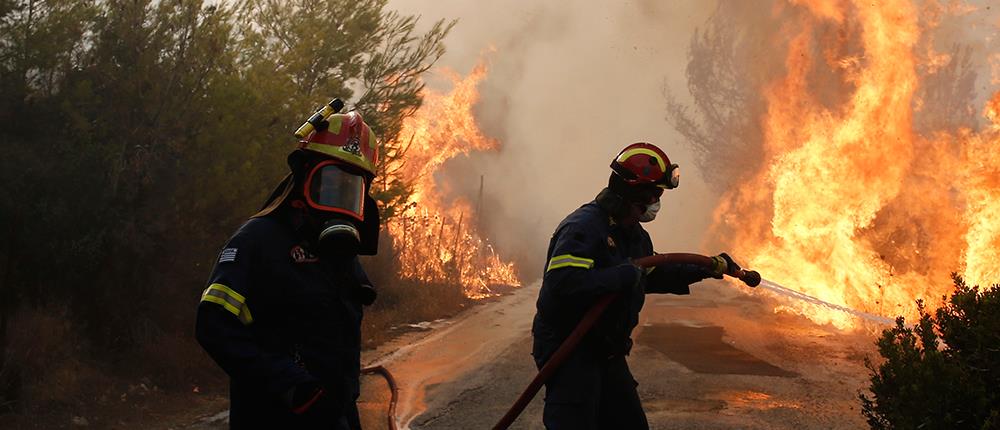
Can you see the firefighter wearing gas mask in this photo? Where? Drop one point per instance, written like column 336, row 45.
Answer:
column 589, row 256
column 282, row 310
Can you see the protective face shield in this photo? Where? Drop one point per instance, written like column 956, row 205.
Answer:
column 339, row 200
column 330, row 188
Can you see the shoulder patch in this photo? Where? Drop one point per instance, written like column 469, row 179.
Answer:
column 228, row 255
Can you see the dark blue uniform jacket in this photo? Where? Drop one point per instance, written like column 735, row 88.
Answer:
column 274, row 316
column 588, row 257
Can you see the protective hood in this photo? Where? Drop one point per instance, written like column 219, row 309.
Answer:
column 278, row 197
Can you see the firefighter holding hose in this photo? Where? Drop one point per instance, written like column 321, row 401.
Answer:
column 282, row 310
column 591, row 255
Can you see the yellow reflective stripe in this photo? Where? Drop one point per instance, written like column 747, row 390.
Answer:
column 561, row 265
column 223, row 302
column 245, row 316
column 230, row 300
column 568, row 260
column 625, row 155
column 228, row 291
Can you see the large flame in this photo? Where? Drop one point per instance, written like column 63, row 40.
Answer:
column 853, row 205
column 437, row 240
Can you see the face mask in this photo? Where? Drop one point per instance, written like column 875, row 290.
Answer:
column 650, row 213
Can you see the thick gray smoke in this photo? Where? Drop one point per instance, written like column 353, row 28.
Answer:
column 569, row 85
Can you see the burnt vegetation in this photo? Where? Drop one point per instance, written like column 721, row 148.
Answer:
column 135, row 137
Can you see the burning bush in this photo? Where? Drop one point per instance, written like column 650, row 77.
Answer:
column 942, row 372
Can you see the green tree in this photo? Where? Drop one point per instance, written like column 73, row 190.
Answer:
column 342, row 48
column 942, row 373
column 135, row 135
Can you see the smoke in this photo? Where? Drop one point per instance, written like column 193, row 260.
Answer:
column 569, row 85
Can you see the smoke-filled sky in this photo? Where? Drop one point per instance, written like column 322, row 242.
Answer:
column 569, row 85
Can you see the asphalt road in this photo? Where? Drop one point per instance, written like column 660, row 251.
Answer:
column 717, row 359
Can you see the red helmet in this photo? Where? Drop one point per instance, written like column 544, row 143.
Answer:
column 645, row 164
column 347, row 139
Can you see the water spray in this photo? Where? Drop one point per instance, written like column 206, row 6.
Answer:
column 787, row 292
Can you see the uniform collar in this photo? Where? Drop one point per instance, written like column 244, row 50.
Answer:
column 611, row 204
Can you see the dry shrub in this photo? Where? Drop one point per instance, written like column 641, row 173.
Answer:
column 403, row 301
column 176, row 363
column 43, row 364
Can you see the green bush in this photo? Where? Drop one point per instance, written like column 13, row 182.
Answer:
column 944, row 372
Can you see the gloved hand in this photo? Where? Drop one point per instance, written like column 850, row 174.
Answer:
column 365, row 294
column 724, row 265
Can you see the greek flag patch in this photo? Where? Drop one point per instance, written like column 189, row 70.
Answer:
column 228, row 255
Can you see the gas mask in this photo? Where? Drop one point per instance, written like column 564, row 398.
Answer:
column 650, row 213
column 346, row 218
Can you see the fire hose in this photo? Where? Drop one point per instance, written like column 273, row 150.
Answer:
column 393, row 390
column 749, row 277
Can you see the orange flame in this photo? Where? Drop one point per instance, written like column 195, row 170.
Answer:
column 853, row 206
column 438, row 240
column 981, row 182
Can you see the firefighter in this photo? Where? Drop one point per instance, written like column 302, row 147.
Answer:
column 282, row 310
column 590, row 255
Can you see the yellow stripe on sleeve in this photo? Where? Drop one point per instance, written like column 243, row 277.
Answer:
column 569, row 260
column 230, row 300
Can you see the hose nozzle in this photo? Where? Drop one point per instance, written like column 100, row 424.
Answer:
column 749, row 277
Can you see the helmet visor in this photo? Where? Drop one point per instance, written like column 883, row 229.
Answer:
column 330, row 188
column 675, row 176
